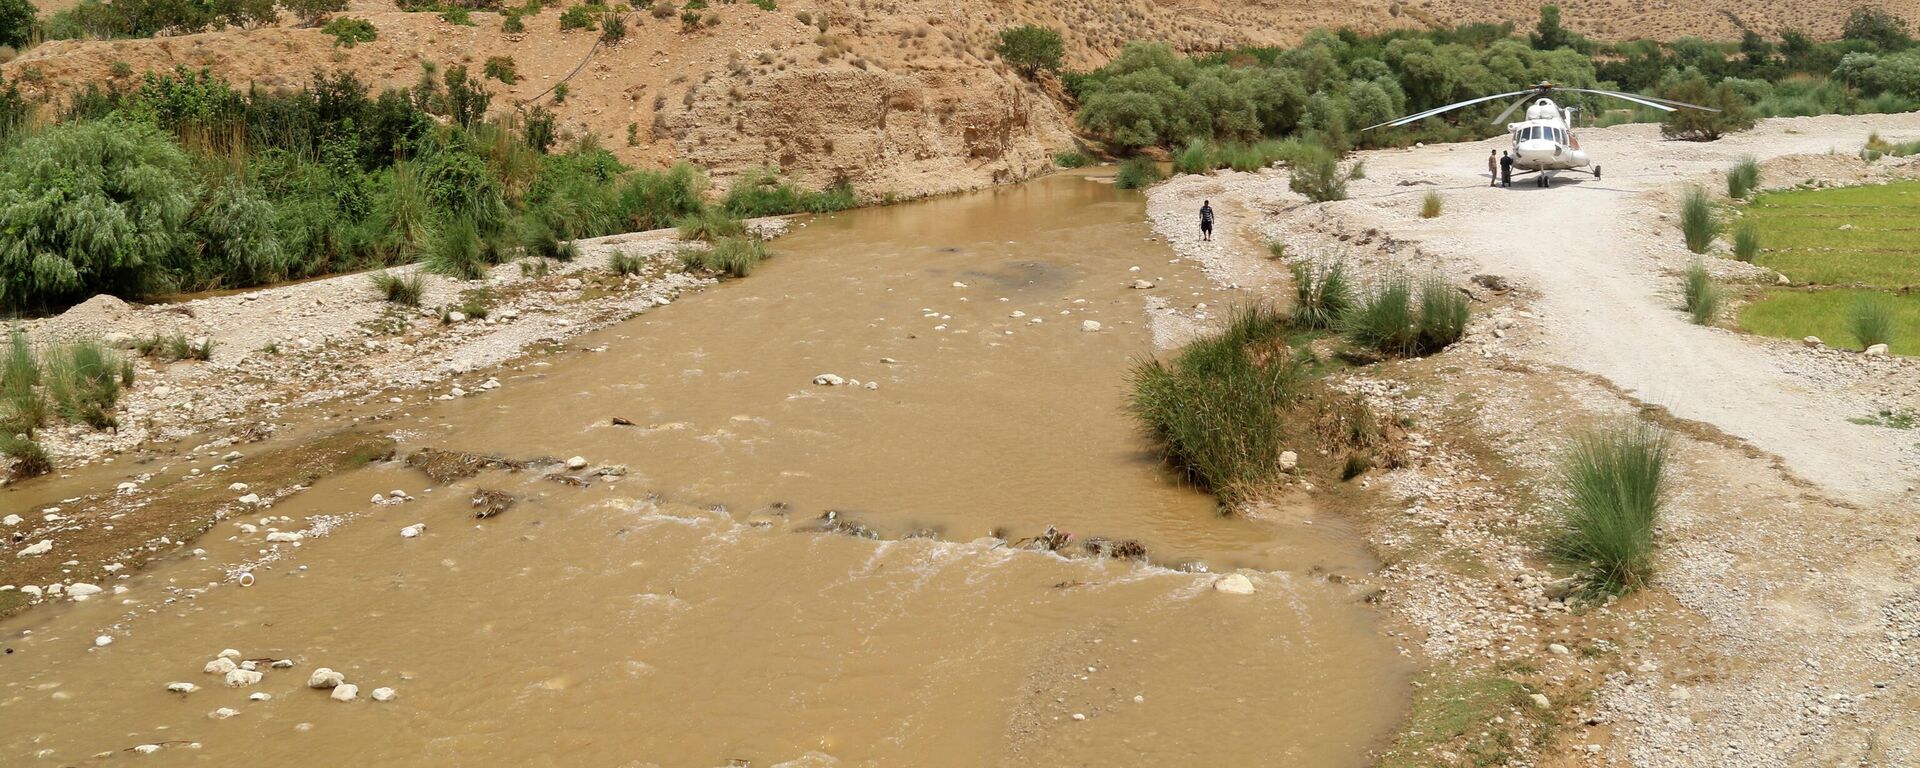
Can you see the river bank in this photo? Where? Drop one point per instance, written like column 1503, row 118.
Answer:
column 1786, row 510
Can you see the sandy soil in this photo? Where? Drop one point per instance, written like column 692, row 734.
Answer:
column 1778, row 630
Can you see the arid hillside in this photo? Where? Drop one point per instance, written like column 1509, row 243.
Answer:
column 901, row 98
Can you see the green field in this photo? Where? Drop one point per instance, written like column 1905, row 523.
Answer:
column 1796, row 314
column 1802, row 235
column 1852, row 242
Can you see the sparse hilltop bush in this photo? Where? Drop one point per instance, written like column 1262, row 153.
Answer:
column 348, row 32
column 1616, row 484
column 1031, row 49
column 501, row 68
column 312, row 12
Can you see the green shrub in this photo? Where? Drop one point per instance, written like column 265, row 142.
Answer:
column 613, row 27
column 397, row 289
column 1137, row 173
column 1322, row 294
column 1384, row 320
column 1197, row 158
column 312, row 12
column 83, row 381
column 624, row 264
column 1699, row 222
column 1870, row 320
column 1731, row 113
column 735, row 256
column 348, row 32
column 1072, row 159
column 1701, row 296
column 1746, row 241
column 1030, row 49
column 17, row 23
column 512, row 24
column 710, row 225
column 457, row 252
column 576, row 17
column 91, row 207
column 503, row 69
column 1214, row 410
column 1318, row 177
column 1430, row 206
column 475, row 304
column 29, row 458
column 20, row 378
column 1743, row 178
column 761, row 192
column 649, row 200
column 1617, row 486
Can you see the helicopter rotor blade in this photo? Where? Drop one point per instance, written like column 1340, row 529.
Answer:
column 1414, row 118
column 1664, row 105
column 1510, row 108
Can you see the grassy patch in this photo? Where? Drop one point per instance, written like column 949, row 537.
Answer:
column 1616, row 480
column 1403, row 320
column 1072, row 159
column 1137, row 173
column 1746, row 241
column 729, row 256
column 1700, row 296
column 624, row 264
column 1743, row 178
column 1215, row 408
column 1890, row 418
column 710, row 225
column 1852, row 236
column 761, row 192
column 1323, row 293
column 83, row 380
column 1430, row 206
column 1456, row 713
column 1795, row 314
column 397, row 289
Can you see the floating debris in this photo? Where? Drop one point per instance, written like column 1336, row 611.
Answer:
column 488, row 503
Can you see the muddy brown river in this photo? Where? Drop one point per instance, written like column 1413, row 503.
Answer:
column 691, row 612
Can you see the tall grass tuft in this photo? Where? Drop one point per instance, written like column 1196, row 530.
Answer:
column 84, row 380
column 1617, row 485
column 1702, row 297
column 1215, row 409
column 1384, row 321
column 709, row 225
column 1430, row 206
column 29, row 458
column 1196, row 158
column 396, row 289
column 1322, row 294
column 1443, row 314
column 730, row 256
column 26, row 409
column 1698, row 221
column 1743, row 178
column 1870, row 320
column 1137, row 173
column 624, row 264
column 456, row 251
column 1746, row 241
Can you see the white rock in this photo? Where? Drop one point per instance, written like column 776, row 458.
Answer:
column 231, row 456
column 1877, row 350
column 829, row 380
column 282, row 664
column 1812, row 341
column 238, row 487
column 83, row 590
column 384, row 694
column 180, row 687
column 413, row 531
column 1540, row 700
column 457, row 392
column 260, row 696
column 346, row 692
column 241, row 678
column 325, row 678
column 10, row 520
column 223, row 713
column 397, row 494
column 251, row 498
column 45, row 546
column 1090, row 326
column 1289, row 460
column 456, row 317
column 577, row 462
column 1078, row 716
column 31, row 589
column 1234, row 584
column 1557, row 649
column 103, row 641
column 147, row 749
column 284, row 536
column 873, row 385
column 220, row 666
column 379, row 498
column 1140, row 285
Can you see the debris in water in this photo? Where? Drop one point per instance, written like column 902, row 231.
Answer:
column 1050, row 541
column 620, row 422
column 831, row 523
column 488, row 503
column 448, row 466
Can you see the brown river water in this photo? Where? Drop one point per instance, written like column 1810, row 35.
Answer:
column 689, row 614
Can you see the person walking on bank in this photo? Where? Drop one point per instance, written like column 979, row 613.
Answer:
column 1493, row 167
column 1506, row 170
column 1206, row 220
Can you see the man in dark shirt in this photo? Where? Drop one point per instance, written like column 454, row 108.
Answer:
column 1506, row 169
column 1206, row 220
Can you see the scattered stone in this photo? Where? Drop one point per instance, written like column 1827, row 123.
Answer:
column 220, row 666
column 241, row 678
column 384, row 694
column 873, row 385
column 325, row 678
column 182, row 687
column 1234, row 584
column 456, row 317
column 45, row 546
column 251, row 498
column 1289, row 461
column 10, row 520
column 1877, row 350
column 1781, row 279
column 1557, row 649
column 413, row 531
column 1812, row 341
column 102, row 641
column 577, row 462
column 620, row 422
column 346, row 692
column 282, row 664
column 83, row 590
column 284, row 536
column 237, row 487
column 147, row 749
column 829, row 380
column 223, row 713
column 1540, row 700
column 1140, row 285
column 1078, row 716
column 1090, row 326
column 260, row 696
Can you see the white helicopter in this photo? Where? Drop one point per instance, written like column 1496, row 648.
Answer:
column 1544, row 142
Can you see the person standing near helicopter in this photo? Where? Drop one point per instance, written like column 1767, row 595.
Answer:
column 1493, row 167
column 1506, row 169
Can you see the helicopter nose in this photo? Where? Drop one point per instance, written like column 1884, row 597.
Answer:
column 1537, row 150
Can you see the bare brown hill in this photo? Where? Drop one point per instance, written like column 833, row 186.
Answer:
column 902, row 98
